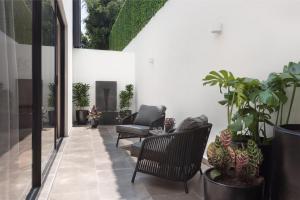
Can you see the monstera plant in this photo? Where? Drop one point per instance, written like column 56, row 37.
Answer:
column 250, row 103
column 286, row 161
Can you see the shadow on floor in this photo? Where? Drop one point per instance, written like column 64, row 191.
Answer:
column 117, row 173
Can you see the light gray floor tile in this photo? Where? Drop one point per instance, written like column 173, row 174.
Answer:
column 91, row 167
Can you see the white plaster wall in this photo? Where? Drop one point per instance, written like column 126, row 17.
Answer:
column 258, row 37
column 90, row 66
column 67, row 15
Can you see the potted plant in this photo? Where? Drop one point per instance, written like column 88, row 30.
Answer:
column 250, row 105
column 81, row 101
column 94, row 117
column 169, row 124
column 235, row 172
column 286, row 162
column 125, row 101
column 51, row 104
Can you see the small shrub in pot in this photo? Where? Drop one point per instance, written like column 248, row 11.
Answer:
column 235, row 172
column 125, row 100
column 81, row 101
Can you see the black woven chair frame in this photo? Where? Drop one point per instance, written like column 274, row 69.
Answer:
column 130, row 119
column 176, row 156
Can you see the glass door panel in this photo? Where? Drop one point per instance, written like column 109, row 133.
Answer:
column 15, row 99
column 49, row 93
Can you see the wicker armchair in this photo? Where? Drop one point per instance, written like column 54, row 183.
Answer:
column 175, row 156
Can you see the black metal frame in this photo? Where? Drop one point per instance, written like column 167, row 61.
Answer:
column 176, row 156
column 76, row 23
column 37, row 177
column 36, row 92
column 61, row 131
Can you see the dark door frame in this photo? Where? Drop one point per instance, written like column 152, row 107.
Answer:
column 37, row 116
column 61, row 132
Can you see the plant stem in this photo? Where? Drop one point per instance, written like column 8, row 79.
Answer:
column 231, row 109
column 228, row 108
column 277, row 117
column 281, row 113
column 291, row 104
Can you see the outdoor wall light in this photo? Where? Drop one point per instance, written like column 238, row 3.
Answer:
column 151, row 61
column 217, row 29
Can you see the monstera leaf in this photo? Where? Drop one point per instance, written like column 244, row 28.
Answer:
column 269, row 98
column 222, row 78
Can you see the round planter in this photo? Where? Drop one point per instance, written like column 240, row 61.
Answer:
column 51, row 117
column 125, row 113
column 266, row 168
column 286, row 163
column 94, row 123
column 218, row 191
column 81, row 116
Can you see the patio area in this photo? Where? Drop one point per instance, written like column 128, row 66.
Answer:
column 89, row 166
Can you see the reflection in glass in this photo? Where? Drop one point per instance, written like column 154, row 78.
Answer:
column 15, row 98
column 48, row 80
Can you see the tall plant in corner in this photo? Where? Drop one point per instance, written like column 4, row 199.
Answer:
column 125, row 100
column 290, row 78
column 81, row 101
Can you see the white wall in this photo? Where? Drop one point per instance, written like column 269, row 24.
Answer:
column 98, row 65
column 66, row 8
column 258, row 37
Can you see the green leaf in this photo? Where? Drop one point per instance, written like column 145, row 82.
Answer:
column 214, row 174
column 269, row 98
column 223, row 102
column 248, row 120
column 236, row 126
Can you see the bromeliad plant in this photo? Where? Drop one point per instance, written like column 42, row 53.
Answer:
column 234, row 164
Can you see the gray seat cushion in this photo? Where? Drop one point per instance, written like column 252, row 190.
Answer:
column 148, row 114
column 186, row 125
column 192, row 123
column 133, row 129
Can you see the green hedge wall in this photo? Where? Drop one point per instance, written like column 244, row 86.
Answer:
column 134, row 15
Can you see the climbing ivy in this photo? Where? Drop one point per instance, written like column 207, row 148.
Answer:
column 134, row 15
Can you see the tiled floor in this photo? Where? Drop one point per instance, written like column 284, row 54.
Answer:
column 91, row 167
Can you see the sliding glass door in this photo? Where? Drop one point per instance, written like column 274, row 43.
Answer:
column 15, row 98
column 49, row 94
column 52, row 79
column 31, row 93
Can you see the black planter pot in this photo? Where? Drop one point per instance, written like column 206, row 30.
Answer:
column 125, row 113
column 266, row 168
column 51, row 117
column 286, row 163
column 218, row 191
column 81, row 116
column 94, row 123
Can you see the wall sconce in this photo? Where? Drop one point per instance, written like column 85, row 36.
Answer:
column 217, row 29
column 151, row 61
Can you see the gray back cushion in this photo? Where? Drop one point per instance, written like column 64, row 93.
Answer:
column 192, row 123
column 148, row 114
